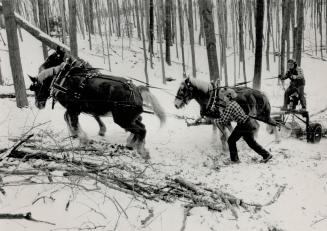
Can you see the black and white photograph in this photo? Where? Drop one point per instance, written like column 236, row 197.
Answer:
column 163, row 115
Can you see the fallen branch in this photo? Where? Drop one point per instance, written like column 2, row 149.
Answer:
column 12, row 95
column 187, row 185
column 27, row 216
column 14, row 148
column 121, row 177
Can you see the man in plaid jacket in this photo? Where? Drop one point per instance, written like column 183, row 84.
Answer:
column 244, row 128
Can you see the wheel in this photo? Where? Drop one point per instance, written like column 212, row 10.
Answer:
column 314, row 133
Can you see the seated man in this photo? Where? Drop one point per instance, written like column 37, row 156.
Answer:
column 244, row 128
column 295, row 74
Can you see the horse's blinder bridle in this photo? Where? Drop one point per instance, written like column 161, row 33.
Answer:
column 187, row 93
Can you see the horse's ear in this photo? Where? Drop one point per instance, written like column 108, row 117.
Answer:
column 58, row 49
column 33, row 79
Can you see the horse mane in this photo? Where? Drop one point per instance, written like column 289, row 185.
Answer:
column 201, row 85
column 43, row 75
column 78, row 60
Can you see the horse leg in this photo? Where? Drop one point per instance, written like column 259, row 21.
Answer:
column 137, row 128
column 214, row 134
column 130, row 142
column 256, row 130
column 131, row 139
column 275, row 131
column 223, row 137
column 71, row 119
column 73, row 131
column 140, row 142
column 102, row 126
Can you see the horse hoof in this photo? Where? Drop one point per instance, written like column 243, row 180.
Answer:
column 144, row 154
column 129, row 147
column 101, row 133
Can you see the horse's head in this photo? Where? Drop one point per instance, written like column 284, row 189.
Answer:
column 184, row 94
column 41, row 86
column 53, row 60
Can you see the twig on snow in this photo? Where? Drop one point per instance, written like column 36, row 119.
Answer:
column 277, row 195
column 316, row 222
column 187, row 210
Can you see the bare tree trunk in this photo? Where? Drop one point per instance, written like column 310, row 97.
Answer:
column 151, row 27
column 80, row 20
column 201, row 33
column 144, row 49
column 137, row 19
column 320, row 26
column 283, row 37
column 97, row 10
column 34, row 8
column 268, row 35
column 46, row 16
column 250, row 24
column 168, row 31
column 258, row 44
column 234, row 37
column 272, row 32
column 42, row 25
column 14, row 54
column 111, row 16
column 288, row 25
column 151, row 32
column 209, row 31
column 72, row 28
column 300, row 23
column 278, row 27
column 191, row 30
column 175, row 27
column 63, row 20
column 118, row 19
column 91, row 16
column 181, row 33
column 107, row 40
column 222, row 34
column 326, row 25
column 160, row 23
column 241, row 34
column 2, row 82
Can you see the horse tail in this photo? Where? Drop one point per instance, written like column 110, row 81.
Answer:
column 148, row 97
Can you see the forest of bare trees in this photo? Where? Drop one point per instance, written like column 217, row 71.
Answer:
column 275, row 28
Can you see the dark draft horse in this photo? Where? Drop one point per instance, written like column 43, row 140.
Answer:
column 82, row 89
column 253, row 102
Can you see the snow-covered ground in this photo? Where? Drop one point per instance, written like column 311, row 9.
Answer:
column 295, row 179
